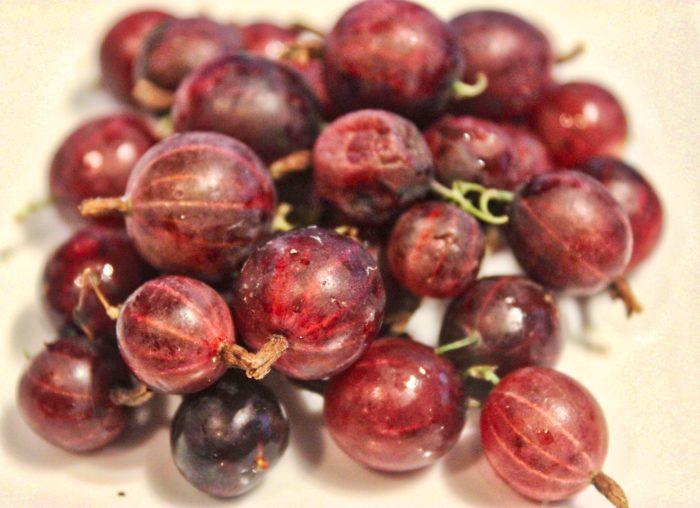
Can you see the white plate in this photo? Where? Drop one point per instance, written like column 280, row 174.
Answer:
column 648, row 383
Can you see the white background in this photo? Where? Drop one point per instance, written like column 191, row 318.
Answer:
column 648, row 382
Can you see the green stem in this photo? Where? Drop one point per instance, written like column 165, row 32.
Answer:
column 485, row 372
column 458, row 344
column 32, row 207
column 462, row 90
column 457, row 195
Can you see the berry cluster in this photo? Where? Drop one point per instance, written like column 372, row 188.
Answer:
column 298, row 196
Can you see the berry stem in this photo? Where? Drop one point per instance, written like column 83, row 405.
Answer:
column 621, row 289
column 131, row 397
column 457, row 195
column 483, row 372
column 89, row 280
column 164, row 126
column 280, row 222
column 102, row 206
column 32, row 207
column 610, row 489
column 458, row 344
column 295, row 162
column 462, row 90
column 152, row 96
column 301, row 26
column 256, row 365
column 303, row 50
column 572, row 54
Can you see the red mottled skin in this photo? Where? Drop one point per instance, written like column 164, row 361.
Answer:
column 371, row 164
column 515, row 56
column 398, row 408
column 543, row 433
column 112, row 258
column 170, row 332
column 530, row 156
column 569, row 233
column 96, row 160
column 394, row 55
column 64, row 395
column 312, row 72
column 636, row 197
column 177, row 46
column 435, row 249
column 120, row 48
column 321, row 290
column 577, row 121
column 259, row 102
column 198, row 203
column 472, row 150
column 267, row 39
column 516, row 320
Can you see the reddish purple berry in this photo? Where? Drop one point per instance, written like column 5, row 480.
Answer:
column 398, row 408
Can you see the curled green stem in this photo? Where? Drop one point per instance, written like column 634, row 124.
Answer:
column 457, row 194
column 462, row 90
column 458, row 344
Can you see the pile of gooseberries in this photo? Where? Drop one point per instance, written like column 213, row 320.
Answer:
column 278, row 197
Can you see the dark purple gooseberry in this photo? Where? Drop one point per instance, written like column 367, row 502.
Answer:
column 171, row 332
column 435, row 249
column 394, row 55
column 225, row 439
column 195, row 204
column 370, row 164
column 64, row 395
column 577, row 121
column 259, row 102
column 471, row 149
column 514, row 321
column 398, row 408
column 515, row 56
column 546, row 437
column 530, row 155
column 320, row 290
column 636, row 197
column 267, row 39
column 113, row 260
column 121, row 47
column 177, row 46
column 569, row 233
column 96, row 160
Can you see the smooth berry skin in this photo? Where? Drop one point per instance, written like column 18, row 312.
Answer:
column 64, row 395
column 321, row 290
column 96, row 160
column 471, row 149
column 543, row 433
column 121, row 47
column 515, row 56
column 579, row 120
column 515, row 319
column 259, row 102
column 371, row 164
column 568, row 233
column 394, row 55
column 530, row 156
column 637, row 198
column 435, row 249
column 177, row 46
column 225, row 439
column 398, row 408
column 170, row 333
column 199, row 202
column 118, row 267
column 267, row 39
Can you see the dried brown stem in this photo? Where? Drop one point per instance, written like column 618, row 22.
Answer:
column 256, row 365
column 89, row 281
column 610, row 489
column 303, row 50
column 573, row 53
column 295, row 162
column 131, row 397
column 104, row 206
column 301, row 26
column 152, row 96
column 621, row 289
